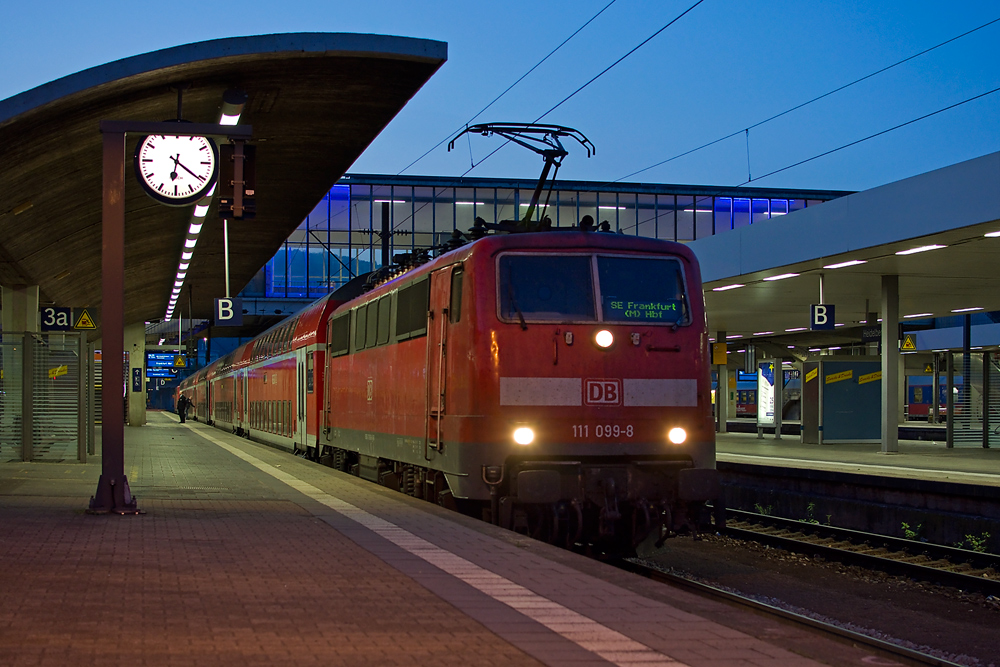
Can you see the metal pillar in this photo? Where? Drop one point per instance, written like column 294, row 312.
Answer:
column 890, row 364
column 986, row 399
column 27, row 398
column 950, row 402
column 113, row 494
column 81, row 405
column 91, row 398
column 779, row 396
column 935, row 415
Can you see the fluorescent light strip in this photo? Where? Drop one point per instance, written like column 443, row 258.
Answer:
column 907, row 317
column 965, row 310
column 469, row 203
column 195, row 228
column 796, row 329
column 186, row 255
column 992, row 235
column 853, row 262
column 390, row 201
column 734, row 336
column 229, row 120
column 200, row 210
column 190, row 243
column 763, row 333
column 782, row 276
column 727, row 287
column 923, row 248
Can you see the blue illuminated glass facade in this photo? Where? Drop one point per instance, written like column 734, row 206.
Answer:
column 341, row 237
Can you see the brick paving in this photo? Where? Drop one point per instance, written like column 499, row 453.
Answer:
column 232, row 565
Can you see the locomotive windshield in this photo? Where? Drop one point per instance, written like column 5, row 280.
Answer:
column 562, row 288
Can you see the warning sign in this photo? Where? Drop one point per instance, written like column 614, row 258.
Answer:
column 837, row 377
column 909, row 343
column 179, row 361
column 928, row 368
column 57, row 371
column 85, row 321
column 870, row 377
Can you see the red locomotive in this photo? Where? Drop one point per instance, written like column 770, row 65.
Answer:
column 555, row 382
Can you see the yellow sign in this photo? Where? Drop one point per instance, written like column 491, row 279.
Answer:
column 928, row 368
column 57, row 371
column 811, row 375
column 84, row 321
column 179, row 361
column 719, row 354
column 837, row 377
column 909, row 343
column 870, row 377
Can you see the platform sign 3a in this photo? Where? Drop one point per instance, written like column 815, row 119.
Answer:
column 59, row 318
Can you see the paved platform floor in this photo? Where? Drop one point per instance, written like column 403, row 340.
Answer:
column 249, row 556
column 916, row 459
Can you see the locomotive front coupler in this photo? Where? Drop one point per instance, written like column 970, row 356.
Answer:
column 493, row 477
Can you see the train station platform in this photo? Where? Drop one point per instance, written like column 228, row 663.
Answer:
column 248, row 555
column 916, row 459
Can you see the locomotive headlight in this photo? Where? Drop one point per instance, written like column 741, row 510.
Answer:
column 604, row 339
column 524, row 435
column 677, row 435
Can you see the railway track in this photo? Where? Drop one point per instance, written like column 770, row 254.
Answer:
column 878, row 646
column 947, row 566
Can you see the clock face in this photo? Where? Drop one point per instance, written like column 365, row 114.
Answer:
column 176, row 170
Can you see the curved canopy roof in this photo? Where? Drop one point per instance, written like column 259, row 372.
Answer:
column 315, row 101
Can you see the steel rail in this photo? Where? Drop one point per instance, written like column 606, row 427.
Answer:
column 878, row 645
column 883, row 562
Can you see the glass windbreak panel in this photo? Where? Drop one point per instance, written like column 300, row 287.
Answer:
column 741, row 213
column 723, row 214
column 641, row 289
column 645, row 214
column 760, row 210
column 505, row 208
column 627, row 213
column 685, row 218
column 703, row 222
column 779, row 207
column 546, row 288
column 666, row 217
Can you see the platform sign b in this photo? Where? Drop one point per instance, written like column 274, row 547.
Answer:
column 229, row 312
column 821, row 317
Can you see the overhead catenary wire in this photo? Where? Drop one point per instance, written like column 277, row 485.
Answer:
column 842, row 147
column 808, row 102
column 592, row 80
column 511, row 86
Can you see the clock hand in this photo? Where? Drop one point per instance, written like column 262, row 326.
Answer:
column 178, row 163
column 173, row 174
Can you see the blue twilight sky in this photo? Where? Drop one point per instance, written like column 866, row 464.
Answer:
column 724, row 66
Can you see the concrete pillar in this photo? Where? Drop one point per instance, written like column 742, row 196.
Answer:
column 890, row 364
column 20, row 308
column 135, row 345
column 722, row 392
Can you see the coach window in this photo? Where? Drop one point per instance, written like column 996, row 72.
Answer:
column 309, row 372
column 372, row 335
column 412, row 303
column 455, row 308
column 384, row 310
column 360, row 327
column 340, row 334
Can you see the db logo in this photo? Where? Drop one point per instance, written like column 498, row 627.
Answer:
column 602, row 392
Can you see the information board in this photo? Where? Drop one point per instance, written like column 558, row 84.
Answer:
column 765, row 393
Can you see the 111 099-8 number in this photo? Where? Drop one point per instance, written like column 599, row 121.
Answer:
column 604, row 431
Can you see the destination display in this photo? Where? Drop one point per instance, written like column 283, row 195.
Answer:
column 161, row 360
column 160, row 372
column 668, row 310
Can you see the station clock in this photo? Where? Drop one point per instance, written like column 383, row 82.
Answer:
column 176, row 170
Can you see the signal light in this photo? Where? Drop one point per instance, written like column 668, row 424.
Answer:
column 524, row 435
column 677, row 435
column 604, row 339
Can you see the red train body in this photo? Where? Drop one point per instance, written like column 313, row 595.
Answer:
column 477, row 381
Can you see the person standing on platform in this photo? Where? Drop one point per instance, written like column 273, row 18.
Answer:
column 182, row 406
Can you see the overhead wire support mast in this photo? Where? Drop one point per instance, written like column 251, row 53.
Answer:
column 540, row 138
